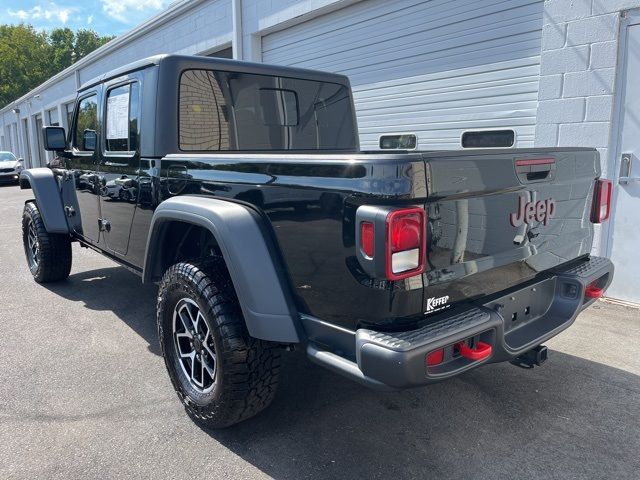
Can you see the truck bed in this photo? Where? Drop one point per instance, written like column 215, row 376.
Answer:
column 310, row 200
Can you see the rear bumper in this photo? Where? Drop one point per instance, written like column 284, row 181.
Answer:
column 511, row 323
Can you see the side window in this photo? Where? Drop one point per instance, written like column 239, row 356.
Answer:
column 203, row 117
column 122, row 118
column 84, row 132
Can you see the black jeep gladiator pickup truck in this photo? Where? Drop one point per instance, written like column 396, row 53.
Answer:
column 241, row 189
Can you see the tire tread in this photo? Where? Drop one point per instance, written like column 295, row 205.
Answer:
column 251, row 366
column 55, row 249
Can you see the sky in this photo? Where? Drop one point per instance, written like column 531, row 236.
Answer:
column 107, row 17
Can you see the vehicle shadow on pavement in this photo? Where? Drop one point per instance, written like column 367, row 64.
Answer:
column 571, row 418
column 116, row 290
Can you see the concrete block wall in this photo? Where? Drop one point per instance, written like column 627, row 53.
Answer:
column 580, row 41
column 577, row 74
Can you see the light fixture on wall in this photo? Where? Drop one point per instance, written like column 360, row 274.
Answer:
column 16, row 111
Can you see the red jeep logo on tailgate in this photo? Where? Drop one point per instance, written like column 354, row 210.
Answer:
column 540, row 211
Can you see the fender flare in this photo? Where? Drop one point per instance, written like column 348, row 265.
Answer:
column 47, row 192
column 251, row 257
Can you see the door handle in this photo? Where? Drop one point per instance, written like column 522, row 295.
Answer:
column 625, row 170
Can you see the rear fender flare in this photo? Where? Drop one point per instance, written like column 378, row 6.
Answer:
column 47, row 193
column 251, row 257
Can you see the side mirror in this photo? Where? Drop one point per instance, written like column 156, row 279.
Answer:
column 21, row 160
column 89, row 138
column 54, row 139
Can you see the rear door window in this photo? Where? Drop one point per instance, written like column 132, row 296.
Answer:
column 122, row 118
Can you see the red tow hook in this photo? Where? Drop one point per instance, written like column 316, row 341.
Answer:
column 480, row 352
column 592, row 291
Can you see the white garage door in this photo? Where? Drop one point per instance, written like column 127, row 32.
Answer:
column 434, row 68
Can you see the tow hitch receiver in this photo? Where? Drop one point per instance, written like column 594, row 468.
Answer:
column 529, row 359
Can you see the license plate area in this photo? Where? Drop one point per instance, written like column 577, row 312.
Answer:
column 524, row 306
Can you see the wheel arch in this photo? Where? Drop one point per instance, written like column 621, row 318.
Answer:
column 249, row 252
column 47, row 197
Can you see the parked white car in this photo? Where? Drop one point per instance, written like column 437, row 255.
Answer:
column 10, row 167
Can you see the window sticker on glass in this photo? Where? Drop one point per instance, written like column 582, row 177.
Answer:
column 118, row 115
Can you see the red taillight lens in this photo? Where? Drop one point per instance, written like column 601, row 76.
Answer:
column 406, row 243
column 601, row 201
column 406, row 232
column 366, row 239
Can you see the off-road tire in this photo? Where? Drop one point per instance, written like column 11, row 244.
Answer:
column 247, row 369
column 53, row 253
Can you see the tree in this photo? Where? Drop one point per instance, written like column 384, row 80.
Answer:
column 62, row 45
column 29, row 57
column 24, row 60
column 87, row 41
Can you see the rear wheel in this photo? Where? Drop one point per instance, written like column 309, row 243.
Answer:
column 220, row 373
column 48, row 254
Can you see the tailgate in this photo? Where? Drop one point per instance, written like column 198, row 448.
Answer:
column 496, row 219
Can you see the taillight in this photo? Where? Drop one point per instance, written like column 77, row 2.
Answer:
column 406, row 241
column 366, row 239
column 601, row 201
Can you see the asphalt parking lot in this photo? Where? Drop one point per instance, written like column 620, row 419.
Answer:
column 84, row 394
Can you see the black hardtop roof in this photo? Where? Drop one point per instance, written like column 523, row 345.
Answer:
column 182, row 62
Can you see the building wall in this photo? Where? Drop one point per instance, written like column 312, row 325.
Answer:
column 198, row 27
column 260, row 17
column 201, row 26
column 198, row 30
column 577, row 80
column 414, row 70
column 580, row 42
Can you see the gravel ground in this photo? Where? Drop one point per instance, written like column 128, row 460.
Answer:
column 84, row 394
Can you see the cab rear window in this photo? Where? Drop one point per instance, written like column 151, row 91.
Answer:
column 221, row 111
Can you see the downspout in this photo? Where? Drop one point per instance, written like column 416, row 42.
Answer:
column 236, row 15
column 4, row 133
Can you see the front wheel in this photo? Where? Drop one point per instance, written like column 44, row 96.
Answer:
column 48, row 254
column 220, row 373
